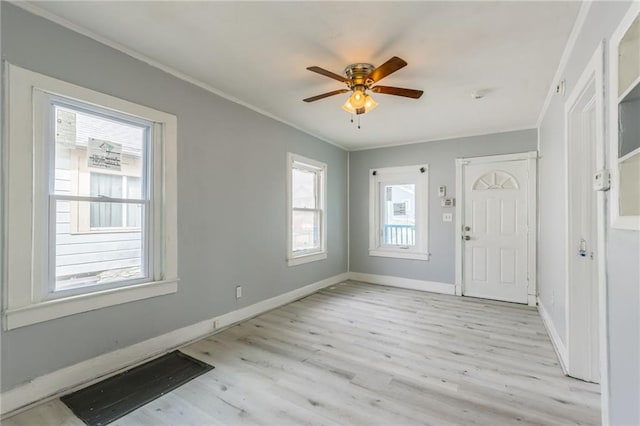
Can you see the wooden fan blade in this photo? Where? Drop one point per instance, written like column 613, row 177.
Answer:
column 391, row 66
column 328, row 74
column 398, row 91
column 325, row 95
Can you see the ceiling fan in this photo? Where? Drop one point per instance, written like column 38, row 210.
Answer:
column 359, row 79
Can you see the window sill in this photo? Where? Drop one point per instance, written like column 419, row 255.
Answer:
column 398, row 254
column 52, row 309
column 306, row 258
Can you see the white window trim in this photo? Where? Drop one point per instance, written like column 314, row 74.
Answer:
column 26, row 206
column 400, row 175
column 313, row 256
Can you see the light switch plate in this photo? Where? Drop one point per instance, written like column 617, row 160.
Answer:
column 447, row 217
column 442, row 191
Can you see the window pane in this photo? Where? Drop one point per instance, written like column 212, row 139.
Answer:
column 88, row 143
column 83, row 259
column 399, row 215
column 306, row 230
column 303, row 189
column 106, row 215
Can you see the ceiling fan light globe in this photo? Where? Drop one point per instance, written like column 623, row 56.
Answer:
column 348, row 107
column 369, row 103
column 358, row 99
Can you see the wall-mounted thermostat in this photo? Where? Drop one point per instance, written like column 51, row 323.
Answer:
column 601, row 180
column 448, row 202
column 442, row 191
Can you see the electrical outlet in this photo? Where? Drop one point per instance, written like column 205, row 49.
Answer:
column 238, row 292
column 215, row 324
column 447, row 217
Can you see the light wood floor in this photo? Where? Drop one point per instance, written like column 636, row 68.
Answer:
column 371, row 355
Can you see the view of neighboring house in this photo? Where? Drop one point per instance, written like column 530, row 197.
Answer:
column 98, row 242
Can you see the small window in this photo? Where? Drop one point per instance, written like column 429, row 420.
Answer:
column 398, row 212
column 306, row 209
column 102, row 222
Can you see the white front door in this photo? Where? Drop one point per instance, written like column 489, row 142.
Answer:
column 495, row 229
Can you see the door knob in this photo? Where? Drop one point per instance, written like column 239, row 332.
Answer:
column 467, row 228
column 466, row 238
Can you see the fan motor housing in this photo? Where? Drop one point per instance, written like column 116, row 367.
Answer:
column 357, row 74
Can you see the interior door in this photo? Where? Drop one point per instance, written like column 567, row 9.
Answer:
column 495, row 230
column 583, row 319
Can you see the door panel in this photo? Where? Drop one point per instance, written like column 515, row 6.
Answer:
column 583, row 323
column 495, row 213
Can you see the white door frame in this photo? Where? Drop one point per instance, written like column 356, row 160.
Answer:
column 593, row 73
column 532, row 202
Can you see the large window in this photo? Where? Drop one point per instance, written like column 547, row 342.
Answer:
column 95, row 153
column 306, row 209
column 101, row 224
column 398, row 214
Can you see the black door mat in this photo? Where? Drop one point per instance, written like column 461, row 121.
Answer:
column 110, row 399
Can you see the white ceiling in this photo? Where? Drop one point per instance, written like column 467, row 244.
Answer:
column 257, row 52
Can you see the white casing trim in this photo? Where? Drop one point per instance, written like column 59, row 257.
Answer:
column 85, row 373
column 560, row 348
column 431, row 286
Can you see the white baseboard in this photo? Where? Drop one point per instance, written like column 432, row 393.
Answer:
column 85, row 373
column 432, row 286
column 556, row 341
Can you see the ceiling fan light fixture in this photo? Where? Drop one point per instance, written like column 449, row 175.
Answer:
column 365, row 100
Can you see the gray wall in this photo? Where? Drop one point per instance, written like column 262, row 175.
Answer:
column 440, row 155
column 231, row 202
column 623, row 251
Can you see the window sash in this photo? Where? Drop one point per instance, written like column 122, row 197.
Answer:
column 147, row 249
column 384, row 226
column 52, row 291
column 320, row 247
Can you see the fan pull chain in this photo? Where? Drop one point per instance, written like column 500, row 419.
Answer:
column 352, row 118
column 358, row 121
